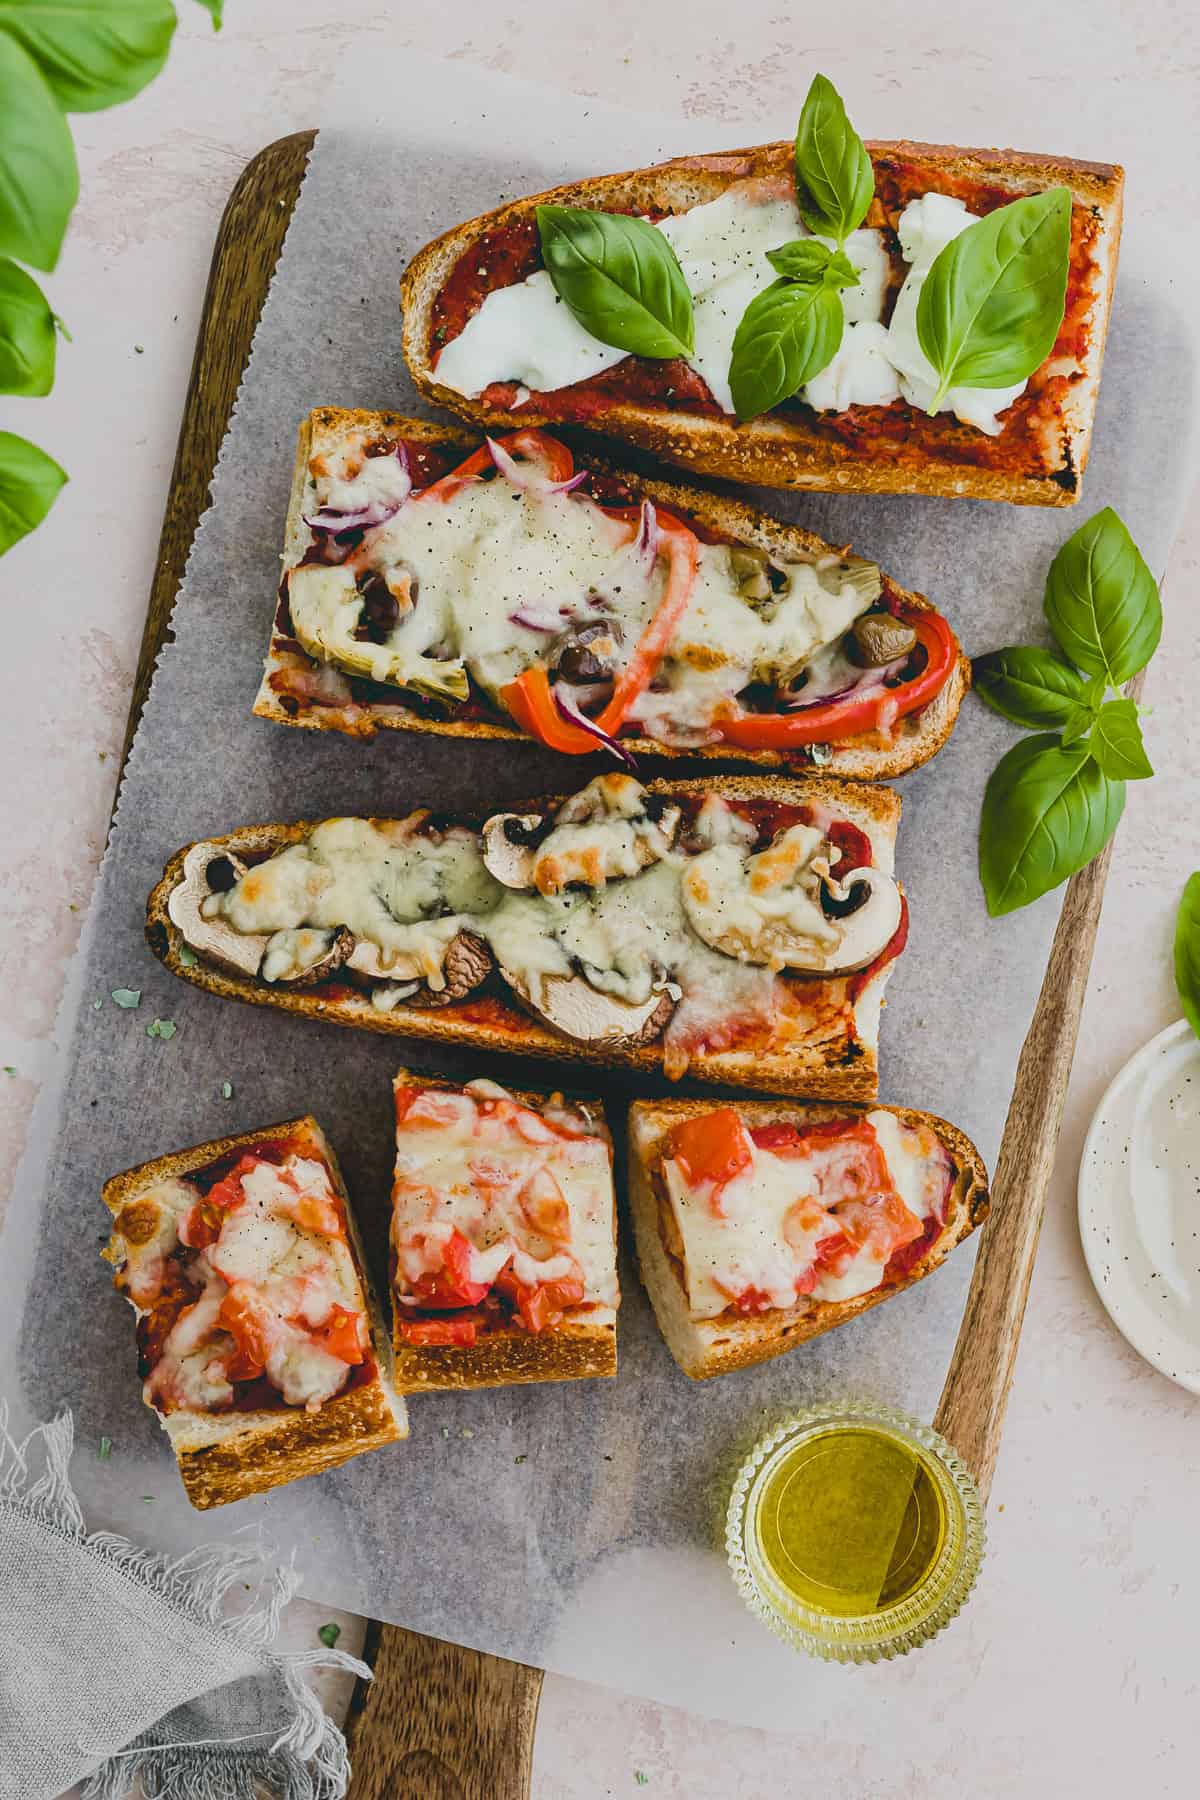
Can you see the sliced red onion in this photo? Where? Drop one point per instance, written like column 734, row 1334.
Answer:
column 530, row 476
column 867, row 682
column 577, row 717
column 646, row 542
column 533, row 620
column 329, row 518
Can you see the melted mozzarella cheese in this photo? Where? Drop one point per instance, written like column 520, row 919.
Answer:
column 761, row 1230
column 517, row 1191
column 524, row 333
column 926, row 226
column 147, row 1231
column 861, row 374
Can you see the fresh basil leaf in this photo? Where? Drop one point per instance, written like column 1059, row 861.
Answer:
column 807, row 259
column 991, row 305
column 1046, row 813
column 216, row 11
column 30, row 482
column 835, row 182
column 1078, row 723
column 620, row 278
column 39, row 178
column 788, row 334
column 1116, row 742
column 1029, row 686
column 93, row 53
column 28, row 339
column 1187, row 951
column 1102, row 601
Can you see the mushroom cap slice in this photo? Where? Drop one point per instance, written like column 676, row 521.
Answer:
column 508, row 847
column 571, row 1006
column 301, row 957
column 610, row 829
column 466, row 964
column 213, row 939
column 871, row 926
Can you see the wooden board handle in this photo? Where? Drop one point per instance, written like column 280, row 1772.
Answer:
column 441, row 1723
column 970, row 1413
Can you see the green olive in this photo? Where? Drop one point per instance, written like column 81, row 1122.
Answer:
column 882, row 639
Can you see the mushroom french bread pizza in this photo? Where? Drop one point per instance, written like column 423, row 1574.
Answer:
column 762, row 1225
column 494, row 328
column 742, row 927
column 503, row 1237
column 434, row 583
column 261, row 1345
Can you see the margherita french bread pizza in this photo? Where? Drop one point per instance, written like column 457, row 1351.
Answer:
column 435, row 584
column 262, row 1347
column 486, row 333
column 761, row 1225
column 503, row 1240
column 742, row 927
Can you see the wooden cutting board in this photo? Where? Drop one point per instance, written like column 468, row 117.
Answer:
column 440, row 1722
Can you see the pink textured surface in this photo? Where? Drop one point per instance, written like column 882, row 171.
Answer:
column 1092, row 1528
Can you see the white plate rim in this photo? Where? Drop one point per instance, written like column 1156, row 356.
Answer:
column 1085, row 1194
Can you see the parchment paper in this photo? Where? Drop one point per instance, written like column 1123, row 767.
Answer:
column 576, row 1526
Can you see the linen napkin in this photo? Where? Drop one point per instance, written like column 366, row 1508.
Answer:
column 119, row 1666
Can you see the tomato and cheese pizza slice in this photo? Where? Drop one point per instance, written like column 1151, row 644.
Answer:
column 763, row 1225
column 260, row 1343
column 503, row 1237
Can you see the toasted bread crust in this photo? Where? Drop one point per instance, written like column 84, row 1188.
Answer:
column 583, row 1346
column 834, row 1063
column 706, row 1347
column 229, row 1456
column 782, row 450
column 866, row 757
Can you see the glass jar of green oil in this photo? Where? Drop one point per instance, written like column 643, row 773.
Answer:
column 854, row 1532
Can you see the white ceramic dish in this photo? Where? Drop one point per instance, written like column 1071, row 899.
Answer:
column 1139, row 1203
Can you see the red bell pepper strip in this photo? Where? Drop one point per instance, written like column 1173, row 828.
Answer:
column 530, row 698
column 828, row 721
column 534, row 446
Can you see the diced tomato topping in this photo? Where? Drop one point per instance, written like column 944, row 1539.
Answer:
column 541, row 1306
column 909, row 1255
column 200, row 1225
column 753, row 1300
column 241, row 1315
column 881, row 1222
column 227, row 1192
column 714, row 1147
column 342, row 1337
column 544, row 1206
column 439, row 1332
column 451, row 1285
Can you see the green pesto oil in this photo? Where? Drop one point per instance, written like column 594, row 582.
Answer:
column 851, row 1522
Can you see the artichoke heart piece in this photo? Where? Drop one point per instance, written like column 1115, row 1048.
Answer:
column 327, row 607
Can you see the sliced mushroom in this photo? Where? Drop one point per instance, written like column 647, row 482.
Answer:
column 569, row 1005
column 206, row 872
column 303, row 956
column 612, row 828
column 783, row 909
column 466, row 964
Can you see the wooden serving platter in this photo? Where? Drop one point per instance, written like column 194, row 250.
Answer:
column 441, row 1722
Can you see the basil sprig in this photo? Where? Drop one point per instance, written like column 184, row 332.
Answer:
column 620, row 278
column 56, row 56
column 993, row 300
column 1187, row 951
column 835, row 182
column 1053, row 801
column 793, row 330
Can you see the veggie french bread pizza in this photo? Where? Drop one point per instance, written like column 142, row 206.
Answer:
column 503, row 1239
column 261, row 1344
column 743, row 927
column 890, row 318
column 762, row 1225
column 432, row 583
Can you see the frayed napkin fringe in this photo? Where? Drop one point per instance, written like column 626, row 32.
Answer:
column 308, row 1760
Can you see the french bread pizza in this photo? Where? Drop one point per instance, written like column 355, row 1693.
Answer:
column 261, row 1345
column 508, row 318
column 764, row 1224
column 433, row 583
column 503, row 1237
column 742, row 927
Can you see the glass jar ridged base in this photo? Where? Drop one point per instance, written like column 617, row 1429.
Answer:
column 854, row 1532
